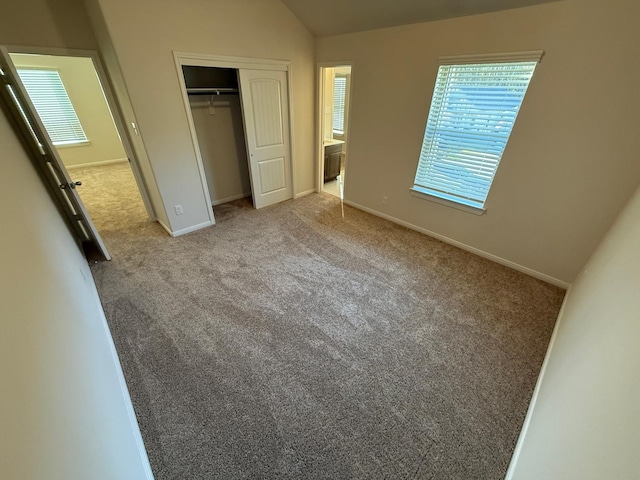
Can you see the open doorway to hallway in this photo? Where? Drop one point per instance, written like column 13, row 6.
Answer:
column 69, row 98
column 335, row 100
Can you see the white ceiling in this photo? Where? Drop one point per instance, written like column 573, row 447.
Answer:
column 331, row 17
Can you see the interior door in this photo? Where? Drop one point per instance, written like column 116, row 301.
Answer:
column 264, row 95
column 35, row 137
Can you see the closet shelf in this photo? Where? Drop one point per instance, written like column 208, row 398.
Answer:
column 212, row 91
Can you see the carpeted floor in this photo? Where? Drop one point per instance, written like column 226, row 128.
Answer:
column 112, row 198
column 292, row 343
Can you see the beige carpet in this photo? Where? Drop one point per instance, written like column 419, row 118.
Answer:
column 290, row 342
column 110, row 194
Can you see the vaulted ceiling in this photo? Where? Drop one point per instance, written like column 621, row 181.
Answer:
column 331, row 17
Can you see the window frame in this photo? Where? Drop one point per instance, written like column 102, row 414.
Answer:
column 452, row 197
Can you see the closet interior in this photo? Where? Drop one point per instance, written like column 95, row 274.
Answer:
column 215, row 106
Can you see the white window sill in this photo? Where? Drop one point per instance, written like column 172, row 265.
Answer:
column 443, row 201
column 72, row 144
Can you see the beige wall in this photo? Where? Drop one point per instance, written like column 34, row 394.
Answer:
column 144, row 40
column 62, row 388
column 585, row 420
column 81, row 82
column 46, row 23
column 65, row 411
column 571, row 163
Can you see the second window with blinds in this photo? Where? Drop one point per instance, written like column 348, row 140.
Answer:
column 473, row 110
column 339, row 100
column 51, row 101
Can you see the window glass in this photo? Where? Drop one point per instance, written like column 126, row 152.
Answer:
column 473, row 111
column 339, row 94
column 50, row 99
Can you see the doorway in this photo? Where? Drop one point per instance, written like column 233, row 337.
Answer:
column 334, row 97
column 70, row 99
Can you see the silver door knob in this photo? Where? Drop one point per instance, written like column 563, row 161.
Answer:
column 70, row 185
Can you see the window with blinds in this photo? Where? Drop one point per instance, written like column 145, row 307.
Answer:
column 50, row 99
column 473, row 110
column 339, row 96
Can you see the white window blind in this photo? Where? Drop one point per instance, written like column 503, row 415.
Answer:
column 50, row 99
column 339, row 94
column 473, row 110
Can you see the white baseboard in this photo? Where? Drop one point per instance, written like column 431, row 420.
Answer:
column 468, row 248
column 243, row 195
column 527, row 420
column 305, row 193
column 184, row 231
column 133, row 421
column 229, row 199
column 97, row 164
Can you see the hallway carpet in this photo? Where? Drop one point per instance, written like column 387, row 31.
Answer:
column 292, row 343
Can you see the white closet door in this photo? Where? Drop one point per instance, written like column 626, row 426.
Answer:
column 266, row 117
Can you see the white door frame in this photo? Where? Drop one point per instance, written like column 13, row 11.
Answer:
column 320, row 118
column 111, row 102
column 220, row 61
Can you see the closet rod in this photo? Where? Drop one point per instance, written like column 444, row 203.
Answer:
column 211, row 91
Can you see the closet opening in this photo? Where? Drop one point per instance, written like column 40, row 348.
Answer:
column 238, row 114
column 214, row 102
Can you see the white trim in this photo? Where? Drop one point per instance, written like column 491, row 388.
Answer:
column 81, row 143
column 222, row 61
column 55, row 51
column 305, row 193
column 320, row 130
column 468, row 248
column 527, row 421
column 229, row 199
column 131, row 414
column 97, row 164
column 166, row 229
column 530, row 56
column 194, row 137
column 184, row 231
column 291, row 127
